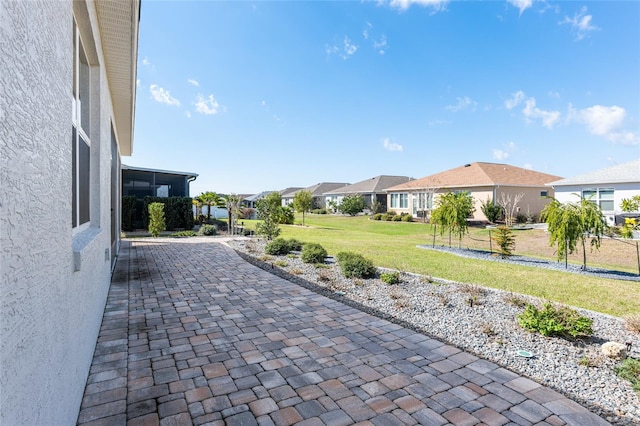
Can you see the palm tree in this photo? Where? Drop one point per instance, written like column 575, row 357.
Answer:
column 210, row 199
column 233, row 203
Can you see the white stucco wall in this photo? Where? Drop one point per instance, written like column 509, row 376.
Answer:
column 50, row 313
column 568, row 193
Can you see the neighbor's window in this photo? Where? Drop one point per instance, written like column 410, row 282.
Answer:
column 399, row 201
column 80, row 142
column 602, row 197
column 543, row 193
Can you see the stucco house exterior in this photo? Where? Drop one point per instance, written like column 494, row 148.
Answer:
column 482, row 181
column 373, row 189
column 67, row 99
column 606, row 187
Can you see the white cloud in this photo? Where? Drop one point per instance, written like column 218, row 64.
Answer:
column 580, row 23
column 521, row 4
column 463, row 103
column 503, row 154
column 365, row 32
column 187, row 114
column 391, row 146
column 381, row 44
column 602, row 120
column 605, row 121
column 437, row 5
column 193, row 82
column 532, row 112
column 163, row 96
column 207, row 106
column 344, row 50
column 515, row 100
column 500, row 155
column 146, row 62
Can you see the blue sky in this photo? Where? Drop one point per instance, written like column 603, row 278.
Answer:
column 265, row 95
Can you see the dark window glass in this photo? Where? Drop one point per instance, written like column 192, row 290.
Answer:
column 84, row 161
column 74, row 180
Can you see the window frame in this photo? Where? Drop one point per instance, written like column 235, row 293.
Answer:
column 596, row 197
column 80, row 140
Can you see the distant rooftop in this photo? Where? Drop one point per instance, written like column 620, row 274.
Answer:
column 621, row 173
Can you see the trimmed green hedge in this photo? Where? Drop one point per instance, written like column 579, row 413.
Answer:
column 178, row 212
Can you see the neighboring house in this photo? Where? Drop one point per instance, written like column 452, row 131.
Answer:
column 251, row 200
column 371, row 190
column 482, row 180
column 287, row 195
column 317, row 193
column 605, row 187
column 67, row 99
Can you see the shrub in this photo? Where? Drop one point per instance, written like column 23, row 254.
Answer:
column 352, row 204
column 281, row 263
column 376, row 216
column 387, row 216
column 560, row 321
column 178, row 211
column 354, row 265
column 156, row 219
column 406, row 217
column 392, row 277
column 319, row 211
column 396, row 218
column 313, row 253
column 279, row 246
column 521, row 218
column 491, row 210
column 208, row 230
column 630, row 370
column 294, row 245
column 632, row 323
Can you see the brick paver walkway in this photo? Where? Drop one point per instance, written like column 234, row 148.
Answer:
column 192, row 334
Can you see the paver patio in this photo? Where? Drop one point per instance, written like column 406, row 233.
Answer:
column 193, row 334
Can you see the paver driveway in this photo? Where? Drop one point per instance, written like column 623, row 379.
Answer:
column 193, row 334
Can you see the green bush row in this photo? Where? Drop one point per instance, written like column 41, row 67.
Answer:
column 354, row 265
column 392, row 216
column 178, row 212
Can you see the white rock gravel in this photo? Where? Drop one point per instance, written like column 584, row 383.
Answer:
column 488, row 328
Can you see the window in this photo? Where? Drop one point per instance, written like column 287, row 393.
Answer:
column 80, row 142
column 399, row 201
column 543, row 193
column 602, row 197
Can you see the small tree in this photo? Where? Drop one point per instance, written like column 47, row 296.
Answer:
column 452, row 212
column 269, row 214
column 156, row 219
column 233, row 203
column 352, row 204
column 509, row 206
column 303, row 202
column 505, row 239
column 570, row 222
column 491, row 210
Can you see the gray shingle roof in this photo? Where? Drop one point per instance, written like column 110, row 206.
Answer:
column 369, row 186
column 621, row 173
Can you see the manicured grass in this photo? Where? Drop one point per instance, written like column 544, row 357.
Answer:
column 393, row 245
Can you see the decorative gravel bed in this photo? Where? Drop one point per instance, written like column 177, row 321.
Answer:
column 482, row 321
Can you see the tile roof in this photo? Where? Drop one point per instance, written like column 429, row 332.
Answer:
column 621, row 173
column 373, row 185
column 479, row 174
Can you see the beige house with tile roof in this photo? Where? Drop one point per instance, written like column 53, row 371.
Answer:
column 482, row 180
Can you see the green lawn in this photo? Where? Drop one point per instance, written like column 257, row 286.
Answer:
column 393, row 245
